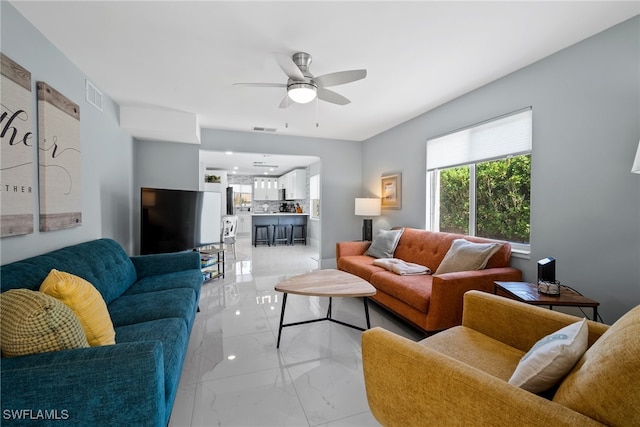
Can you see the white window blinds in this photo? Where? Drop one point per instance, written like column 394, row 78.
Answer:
column 495, row 139
column 314, row 187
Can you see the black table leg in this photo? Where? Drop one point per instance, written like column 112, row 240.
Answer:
column 284, row 304
column 328, row 317
column 366, row 312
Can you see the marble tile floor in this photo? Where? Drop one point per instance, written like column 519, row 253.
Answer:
column 233, row 373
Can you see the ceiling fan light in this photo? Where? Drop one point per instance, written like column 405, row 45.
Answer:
column 302, row 93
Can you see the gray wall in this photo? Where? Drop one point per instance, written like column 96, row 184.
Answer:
column 106, row 150
column 340, row 175
column 586, row 126
column 161, row 164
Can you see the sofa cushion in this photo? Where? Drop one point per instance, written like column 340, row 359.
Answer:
column 130, row 309
column 190, row 279
column 467, row 256
column 359, row 265
column 412, row 290
column 85, row 301
column 605, row 383
column 384, row 243
column 32, row 322
column 551, row 358
column 476, row 349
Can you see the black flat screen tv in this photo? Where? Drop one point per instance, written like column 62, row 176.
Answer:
column 178, row 220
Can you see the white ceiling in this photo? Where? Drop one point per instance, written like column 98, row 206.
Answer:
column 185, row 56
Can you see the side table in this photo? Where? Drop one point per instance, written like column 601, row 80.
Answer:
column 528, row 293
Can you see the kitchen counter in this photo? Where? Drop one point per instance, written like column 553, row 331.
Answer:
column 279, row 218
column 277, row 214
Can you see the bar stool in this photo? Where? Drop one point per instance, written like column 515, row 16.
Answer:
column 302, row 236
column 264, row 230
column 281, row 234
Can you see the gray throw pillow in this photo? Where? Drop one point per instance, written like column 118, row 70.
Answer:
column 384, row 244
column 464, row 255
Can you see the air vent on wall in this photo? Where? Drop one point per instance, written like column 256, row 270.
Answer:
column 94, row 96
column 261, row 129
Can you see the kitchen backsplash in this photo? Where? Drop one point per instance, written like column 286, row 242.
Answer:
column 273, row 205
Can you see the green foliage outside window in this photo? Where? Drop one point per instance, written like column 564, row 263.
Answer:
column 454, row 200
column 502, row 199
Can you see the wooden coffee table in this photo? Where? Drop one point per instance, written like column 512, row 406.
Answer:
column 325, row 283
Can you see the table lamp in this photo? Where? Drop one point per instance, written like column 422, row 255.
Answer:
column 367, row 207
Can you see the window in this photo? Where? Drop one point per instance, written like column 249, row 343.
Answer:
column 314, row 195
column 479, row 179
column 242, row 194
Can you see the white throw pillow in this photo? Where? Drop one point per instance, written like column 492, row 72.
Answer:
column 551, row 358
column 384, row 244
column 464, row 255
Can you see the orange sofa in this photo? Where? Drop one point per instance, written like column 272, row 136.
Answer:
column 430, row 302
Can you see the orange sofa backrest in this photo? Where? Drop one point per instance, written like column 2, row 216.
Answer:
column 429, row 248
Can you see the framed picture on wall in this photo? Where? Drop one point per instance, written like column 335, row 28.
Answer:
column 58, row 160
column 391, row 191
column 16, row 153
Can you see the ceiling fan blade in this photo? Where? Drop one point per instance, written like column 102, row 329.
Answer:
column 260, row 84
column 289, row 67
column 332, row 97
column 340, row 78
column 286, row 102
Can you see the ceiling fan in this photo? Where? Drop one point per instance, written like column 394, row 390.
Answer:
column 303, row 87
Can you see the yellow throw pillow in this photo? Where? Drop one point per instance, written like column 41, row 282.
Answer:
column 85, row 301
column 32, row 322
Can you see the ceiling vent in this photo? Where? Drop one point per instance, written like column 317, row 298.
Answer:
column 261, row 129
column 94, row 96
column 263, row 165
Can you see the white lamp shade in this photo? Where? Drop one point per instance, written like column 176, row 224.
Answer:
column 368, row 207
column 636, row 163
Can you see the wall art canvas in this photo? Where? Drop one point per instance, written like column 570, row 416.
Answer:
column 16, row 152
column 58, row 160
column 392, row 191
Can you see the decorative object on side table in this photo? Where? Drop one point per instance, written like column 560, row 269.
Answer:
column 392, row 191
column 547, row 283
column 367, row 207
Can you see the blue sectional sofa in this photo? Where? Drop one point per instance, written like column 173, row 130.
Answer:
column 152, row 301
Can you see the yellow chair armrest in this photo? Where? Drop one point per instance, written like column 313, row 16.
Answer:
column 409, row 384
column 515, row 323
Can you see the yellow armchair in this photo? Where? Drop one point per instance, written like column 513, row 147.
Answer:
column 460, row 376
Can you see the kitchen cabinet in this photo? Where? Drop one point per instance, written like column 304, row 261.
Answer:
column 265, row 188
column 244, row 224
column 295, row 184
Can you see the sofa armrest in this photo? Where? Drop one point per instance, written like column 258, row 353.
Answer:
column 121, row 384
column 447, row 293
column 409, row 384
column 351, row 248
column 515, row 323
column 150, row 265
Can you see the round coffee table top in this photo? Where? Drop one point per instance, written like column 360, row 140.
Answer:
column 327, row 283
